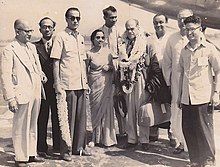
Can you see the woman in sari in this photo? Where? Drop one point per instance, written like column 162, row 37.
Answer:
column 100, row 77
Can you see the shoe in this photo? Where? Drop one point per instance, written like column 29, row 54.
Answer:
column 43, row 154
column 153, row 138
column 82, row 152
column 21, row 164
column 35, row 159
column 128, row 145
column 173, row 143
column 145, row 146
column 66, row 157
column 178, row 150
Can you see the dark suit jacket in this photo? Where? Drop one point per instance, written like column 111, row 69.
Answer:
column 47, row 67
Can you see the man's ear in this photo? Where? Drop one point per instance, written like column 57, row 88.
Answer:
column 17, row 31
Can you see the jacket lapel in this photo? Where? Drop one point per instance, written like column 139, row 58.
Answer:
column 19, row 52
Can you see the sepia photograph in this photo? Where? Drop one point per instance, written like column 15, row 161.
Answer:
column 110, row 83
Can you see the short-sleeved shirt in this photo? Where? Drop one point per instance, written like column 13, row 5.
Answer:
column 69, row 48
column 196, row 67
column 113, row 36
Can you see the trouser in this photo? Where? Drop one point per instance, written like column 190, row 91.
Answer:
column 197, row 122
column 134, row 102
column 24, row 130
column 46, row 106
column 120, row 109
column 176, row 124
column 76, row 104
column 154, row 130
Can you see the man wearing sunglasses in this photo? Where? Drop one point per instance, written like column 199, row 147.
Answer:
column 44, row 45
column 70, row 80
column 21, row 80
column 113, row 34
column 198, row 89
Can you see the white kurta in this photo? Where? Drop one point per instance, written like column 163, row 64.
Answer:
column 175, row 44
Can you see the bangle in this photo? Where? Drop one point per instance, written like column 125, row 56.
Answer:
column 216, row 92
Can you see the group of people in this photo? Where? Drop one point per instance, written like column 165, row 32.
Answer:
column 148, row 82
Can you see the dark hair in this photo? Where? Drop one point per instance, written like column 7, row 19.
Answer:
column 106, row 10
column 193, row 19
column 70, row 9
column 161, row 14
column 92, row 37
column 47, row 18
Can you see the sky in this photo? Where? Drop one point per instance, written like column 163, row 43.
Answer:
column 91, row 13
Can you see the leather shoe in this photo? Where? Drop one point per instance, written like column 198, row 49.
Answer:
column 35, row 159
column 21, row 164
column 66, row 157
column 82, row 152
column 153, row 138
column 178, row 150
column 145, row 146
column 43, row 154
column 128, row 145
column 173, row 143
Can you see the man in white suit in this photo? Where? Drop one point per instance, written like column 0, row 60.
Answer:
column 21, row 80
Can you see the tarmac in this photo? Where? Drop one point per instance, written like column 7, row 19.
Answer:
column 159, row 154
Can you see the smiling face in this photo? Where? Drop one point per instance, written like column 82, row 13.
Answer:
column 159, row 23
column 47, row 28
column 132, row 29
column 193, row 32
column 99, row 39
column 72, row 19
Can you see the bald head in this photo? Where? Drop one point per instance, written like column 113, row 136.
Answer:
column 132, row 22
column 132, row 28
column 23, row 30
column 184, row 13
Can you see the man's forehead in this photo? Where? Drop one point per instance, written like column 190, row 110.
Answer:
column 110, row 13
column 159, row 18
column 73, row 13
column 131, row 24
column 47, row 22
column 185, row 14
column 24, row 26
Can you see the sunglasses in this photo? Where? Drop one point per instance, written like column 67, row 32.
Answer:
column 72, row 18
column 26, row 31
column 99, row 37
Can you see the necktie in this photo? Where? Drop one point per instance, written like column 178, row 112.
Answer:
column 48, row 46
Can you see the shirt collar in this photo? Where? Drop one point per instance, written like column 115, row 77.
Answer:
column 46, row 41
column 203, row 43
column 71, row 32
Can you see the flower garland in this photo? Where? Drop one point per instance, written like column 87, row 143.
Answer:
column 63, row 117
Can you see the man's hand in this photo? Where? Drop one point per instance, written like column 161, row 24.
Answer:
column 106, row 68
column 13, row 105
column 215, row 99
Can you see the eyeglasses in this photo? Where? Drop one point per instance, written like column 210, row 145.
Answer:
column 130, row 29
column 26, row 31
column 49, row 27
column 99, row 37
column 72, row 18
column 192, row 30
